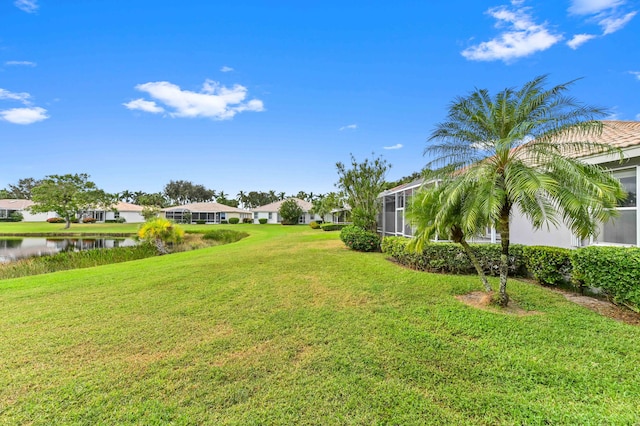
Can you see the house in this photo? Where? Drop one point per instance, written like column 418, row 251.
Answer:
column 124, row 212
column 625, row 230
column 270, row 212
column 9, row 206
column 207, row 212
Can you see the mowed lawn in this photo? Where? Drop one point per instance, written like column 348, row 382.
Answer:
column 289, row 327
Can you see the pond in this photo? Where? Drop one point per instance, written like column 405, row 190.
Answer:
column 21, row 247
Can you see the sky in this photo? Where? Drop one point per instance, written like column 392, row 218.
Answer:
column 263, row 95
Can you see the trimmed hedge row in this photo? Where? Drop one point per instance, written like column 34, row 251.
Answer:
column 332, row 226
column 450, row 258
column 615, row 270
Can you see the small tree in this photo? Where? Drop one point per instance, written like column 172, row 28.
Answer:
column 150, row 212
column 159, row 232
column 290, row 212
column 361, row 185
column 69, row 196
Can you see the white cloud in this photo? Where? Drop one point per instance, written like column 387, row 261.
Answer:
column 29, row 6
column 638, row 117
column 591, row 7
column 24, row 115
column 579, row 39
column 214, row 101
column 396, row 146
column 612, row 24
column 521, row 37
column 142, row 105
column 24, row 63
column 349, row 126
column 636, row 73
column 20, row 97
column 226, row 69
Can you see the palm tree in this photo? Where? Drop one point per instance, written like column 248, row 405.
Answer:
column 520, row 148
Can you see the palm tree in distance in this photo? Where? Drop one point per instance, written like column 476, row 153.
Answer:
column 519, row 149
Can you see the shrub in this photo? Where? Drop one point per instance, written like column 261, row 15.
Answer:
column 262, row 220
column 332, row 226
column 314, row 225
column 89, row 220
column 616, row 270
column 13, row 217
column 234, row 220
column 247, row 220
column 450, row 258
column 200, row 222
column 357, row 238
column 224, row 222
column 55, row 220
column 290, row 211
column 548, row 265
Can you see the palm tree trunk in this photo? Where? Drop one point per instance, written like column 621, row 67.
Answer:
column 503, row 299
column 476, row 264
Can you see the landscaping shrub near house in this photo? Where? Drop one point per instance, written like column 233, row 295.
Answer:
column 450, row 258
column 262, row 220
column 247, row 220
column 332, row 226
column 616, row 270
column 548, row 265
column 200, row 222
column 223, row 222
column 89, row 220
column 357, row 238
column 55, row 220
column 314, row 225
column 13, row 217
column 234, row 220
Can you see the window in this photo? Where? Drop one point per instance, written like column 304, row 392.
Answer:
column 116, row 215
column 270, row 215
column 255, row 215
column 623, row 229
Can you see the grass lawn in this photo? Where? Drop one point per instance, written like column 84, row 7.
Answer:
column 289, row 327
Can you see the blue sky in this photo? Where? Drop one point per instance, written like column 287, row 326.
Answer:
column 260, row 95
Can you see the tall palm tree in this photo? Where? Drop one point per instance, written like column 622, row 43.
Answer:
column 521, row 148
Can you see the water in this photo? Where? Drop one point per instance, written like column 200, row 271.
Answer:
column 19, row 248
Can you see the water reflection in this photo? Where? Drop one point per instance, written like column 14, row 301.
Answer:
column 19, row 248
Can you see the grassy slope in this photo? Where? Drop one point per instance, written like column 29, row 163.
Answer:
column 287, row 326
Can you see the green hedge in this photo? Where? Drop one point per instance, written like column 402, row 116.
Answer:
column 548, row 265
column 234, row 220
column 262, row 220
column 332, row 226
column 314, row 225
column 450, row 258
column 616, row 270
column 357, row 238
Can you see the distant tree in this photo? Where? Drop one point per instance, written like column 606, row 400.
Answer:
column 22, row 190
column 281, row 196
column 242, row 198
column 4, row 194
column 159, row 232
column 361, row 184
column 325, row 204
column 290, row 212
column 183, row 192
column 150, row 212
column 126, row 196
column 69, row 196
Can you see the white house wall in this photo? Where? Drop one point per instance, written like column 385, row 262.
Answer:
column 521, row 232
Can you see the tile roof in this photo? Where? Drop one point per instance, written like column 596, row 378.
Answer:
column 274, row 207
column 121, row 206
column 206, row 208
column 615, row 133
column 11, row 204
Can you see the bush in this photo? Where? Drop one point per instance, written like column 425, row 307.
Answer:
column 548, row 265
column 224, row 222
column 332, row 226
column 89, row 220
column 290, row 212
column 234, row 220
column 450, row 258
column 247, row 220
column 118, row 220
column 616, row 270
column 314, row 225
column 262, row 220
column 357, row 238
column 200, row 222
column 55, row 220
column 13, row 217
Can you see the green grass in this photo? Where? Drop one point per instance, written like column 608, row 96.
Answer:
column 288, row 327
